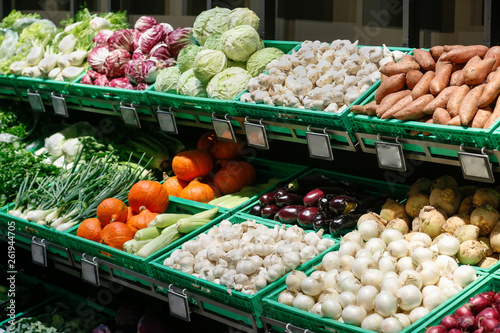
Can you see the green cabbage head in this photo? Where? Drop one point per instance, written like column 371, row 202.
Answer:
column 258, row 61
column 228, row 83
column 243, row 16
column 185, row 59
column 209, row 22
column 189, row 85
column 213, row 42
column 208, row 63
column 239, row 43
column 167, row 79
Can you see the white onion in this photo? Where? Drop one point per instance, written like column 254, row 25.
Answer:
column 391, row 325
column 387, row 264
column 369, row 229
column 446, row 264
column 429, row 290
column 331, row 308
column 360, row 265
column 354, row 315
column 353, row 236
column 409, row 297
column 312, row 286
column 452, row 290
column 391, row 284
column 372, row 277
column 363, row 253
column 434, row 299
column 421, row 254
column 391, row 235
column 410, row 276
column 303, row 302
column 350, row 284
column 403, row 319
column 330, row 279
column 318, row 274
column 445, row 282
column 464, row 275
column 330, row 261
column 345, row 263
column 328, row 293
column 349, row 248
column 418, row 313
column 421, row 238
column 287, row 297
column 404, row 264
column 343, row 275
column 375, row 244
column 346, row 298
column 391, row 275
column 366, row 297
column 294, row 279
column 397, row 249
column 386, row 303
column 448, row 245
column 372, row 322
column 316, row 309
column 429, row 271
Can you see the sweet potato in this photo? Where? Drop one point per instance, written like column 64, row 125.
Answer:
column 422, row 87
column 391, row 84
column 441, row 80
column 463, row 54
column 494, row 116
column 408, row 58
column 494, row 52
column 441, row 116
column 457, row 67
column 457, row 78
column 371, row 108
column 440, row 64
column 393, row 68
column 472, row 61
column 427, row 121
column 414, row 110
column 481, row 117
column 358, row 109
column 456, row 98
column 383, row 77
column 491, row 90
column 424, row 59
column 390, row 100
column 490, row 76
column 455, row 121
column 436, row 51
column 448, row 48
column 397, row 107
column 412, row 78
column 469, row 106
column 441, row 100
column 476, row 73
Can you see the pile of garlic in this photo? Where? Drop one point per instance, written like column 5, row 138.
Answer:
column 320, row 76
column 247, row 256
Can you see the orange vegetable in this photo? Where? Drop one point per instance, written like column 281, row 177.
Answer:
column 424, row 59
column 441, row 80
column 393, row 68
column 190, row 164
column 494, row 52
column 448, row 48
column 391, row 84
column 469, row 105
column 112, row 210
column 199, row 192
column 90, row 229
column 206, row 141
column 463, row 54
column 491, row 91
column 227, row 150
column 441, row 100
column 398, row 106
column 481, row 117
column 494, row 116
column 150, row 195
column 116, row 234
column 441, row 116
column 415, row 110
column 477, row 72
column 422, row 87
column 436, row 51
column 408, row 58
column 174, row 185
column 141, row 220
column 457, row 78
column 390, row 100
column 455, row 121
column 233, row 176
column 412, row 78
column 456, row 98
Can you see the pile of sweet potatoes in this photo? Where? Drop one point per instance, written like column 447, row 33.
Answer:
column 452, row 84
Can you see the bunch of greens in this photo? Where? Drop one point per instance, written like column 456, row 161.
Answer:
column 14, row 16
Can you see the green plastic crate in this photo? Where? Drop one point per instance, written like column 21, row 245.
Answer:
column 8, row 86
column 236, row 299
column 131, row 261
column 486, row 283
column 495, row 137
column 206, row 104
column 473, row 137
column 44, row 86
column 306, row 320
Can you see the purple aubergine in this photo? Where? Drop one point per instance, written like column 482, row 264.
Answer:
column 342, row 204
column 289, row 199
column 256, row 210
column 343, row 223
column 288, row 214
column 267, row 199
column 269, row 211
column 311, row 199
column 305, row 217
column 324, row 202
column 322, row 220
column 280, row 192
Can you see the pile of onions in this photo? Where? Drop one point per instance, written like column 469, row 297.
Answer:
column 480, row 314
column 379, row 279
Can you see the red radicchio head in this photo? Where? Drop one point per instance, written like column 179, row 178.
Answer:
column 102, row 81
column 178, row 39
column 160, row 51
column 142, row 86
column 115, row 62
column 93, row 74
column 138, row 55
column 97, row 57
column 122, row 39
column 86, row 79
column 167, row 28
column 133, row 70
column 143, row 23
column 150, row 69
column 102, row 37
column 150, row 38
column 121, row 82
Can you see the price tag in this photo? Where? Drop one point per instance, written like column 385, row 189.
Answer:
column 256, row 135
column 224, row 129
column 39, row 252
column 166, row 119
column 319, row 146
column 476, row 167
column 390, row 156
column 60, row 107
column 35, row 101
column 130, row 117
column 179, row 306
column 90, row 271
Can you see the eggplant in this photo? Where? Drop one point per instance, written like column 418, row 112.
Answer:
column 343, row 223
column 256, row 210
column 267, row 199
column 289, row 199
column 311, row 199
column 288, row 214
column 371, row 204
column 305, row 184
column 306, row 216
column 269, row 211
column 322, row 220
column 342, row 204
column 324, row 202
column 280, row 192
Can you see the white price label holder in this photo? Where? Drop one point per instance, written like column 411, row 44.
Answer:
column 476, row 166
column 256, row 134
column 390, row 155
column 35, row 100
column 59, row 104
column 90, row 270
column 129, row 115
column 166, row 119
column 178, row 304
column 39, row 251
column 319, row 144
column 223, row 128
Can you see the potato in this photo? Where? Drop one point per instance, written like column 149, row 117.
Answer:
column 447, row 199
column 470, row 252
column 443, row 182
column 415, row 203
column 466, row 232
column 392, row 210
column 495, row 238
column 486, row 196
column 433, row 220
column 398, row 224
column 485, row 217
column 455, row 221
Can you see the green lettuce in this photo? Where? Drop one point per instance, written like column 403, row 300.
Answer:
column 189, row 85
column 167, row 79
column 258, row 61
column 228, row 83
column 239, row 43
column 208, row 63
column 185, row 59
column 209, row 22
